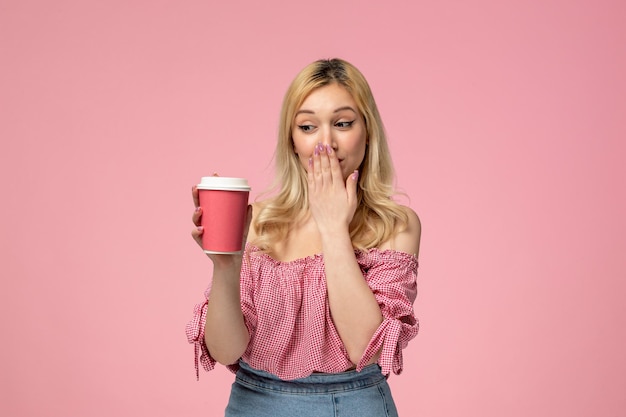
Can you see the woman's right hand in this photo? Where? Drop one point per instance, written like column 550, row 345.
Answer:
column 196, row 218
column 219, row 260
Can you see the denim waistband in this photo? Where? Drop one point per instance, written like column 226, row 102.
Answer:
column 317, row 383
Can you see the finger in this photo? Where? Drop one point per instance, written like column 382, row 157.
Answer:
column 310, row 176
column 351, row 187
column 335, row 168
column 196, row 218
column 194, row 193
column 197, row 234
column 325, row 164
column 317, row 164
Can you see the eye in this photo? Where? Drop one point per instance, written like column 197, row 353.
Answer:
column 306, row 128
column 344, row 125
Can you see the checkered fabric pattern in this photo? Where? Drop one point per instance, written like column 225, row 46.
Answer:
column 286, row 310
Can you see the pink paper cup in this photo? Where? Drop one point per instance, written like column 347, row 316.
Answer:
column 224, row 203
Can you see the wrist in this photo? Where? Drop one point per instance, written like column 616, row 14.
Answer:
column 335, row 236
column 226, row 266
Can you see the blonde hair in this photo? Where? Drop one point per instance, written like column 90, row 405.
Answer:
column 377, row 217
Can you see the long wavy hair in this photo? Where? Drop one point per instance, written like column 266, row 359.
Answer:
column 377, row 217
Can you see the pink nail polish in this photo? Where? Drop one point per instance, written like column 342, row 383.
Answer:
column 329, row 149
column 355, row 175
column 310, row 162
column 317, row 150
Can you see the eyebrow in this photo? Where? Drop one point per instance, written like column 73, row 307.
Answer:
column 344, row 108
column 335, row 111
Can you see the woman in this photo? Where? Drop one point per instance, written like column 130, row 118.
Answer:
column 313, row 316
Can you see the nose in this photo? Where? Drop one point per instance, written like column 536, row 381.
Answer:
column 328, row 138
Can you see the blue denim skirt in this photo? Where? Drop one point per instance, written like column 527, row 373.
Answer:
column 257, row 393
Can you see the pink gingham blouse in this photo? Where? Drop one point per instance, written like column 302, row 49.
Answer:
column 286, row 311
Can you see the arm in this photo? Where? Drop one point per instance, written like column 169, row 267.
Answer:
column 354, row 308
column 225, row 333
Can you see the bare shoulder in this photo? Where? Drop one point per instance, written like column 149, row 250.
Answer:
column 414, row 221
column 408, row 239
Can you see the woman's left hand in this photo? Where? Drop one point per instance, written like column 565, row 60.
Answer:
column 331, row 200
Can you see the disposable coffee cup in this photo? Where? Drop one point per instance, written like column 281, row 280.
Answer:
column 224, row 203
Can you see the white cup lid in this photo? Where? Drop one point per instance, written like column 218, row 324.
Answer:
column 223, row 183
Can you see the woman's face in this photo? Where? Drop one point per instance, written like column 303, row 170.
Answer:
column 329, row 115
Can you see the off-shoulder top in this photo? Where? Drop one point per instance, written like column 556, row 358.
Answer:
column 285, row 308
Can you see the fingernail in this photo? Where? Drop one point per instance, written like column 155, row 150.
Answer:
column 317, row 150
column 198, row 209
column 355, row 175
column 329, row 149
column 310, row 162
column 200, row 229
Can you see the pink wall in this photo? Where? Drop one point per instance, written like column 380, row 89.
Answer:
column 507, row 122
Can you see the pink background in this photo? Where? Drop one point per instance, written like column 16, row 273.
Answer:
column 507, row 124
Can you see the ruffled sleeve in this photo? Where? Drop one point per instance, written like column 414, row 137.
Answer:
column 392, row 276
column 195, row 335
